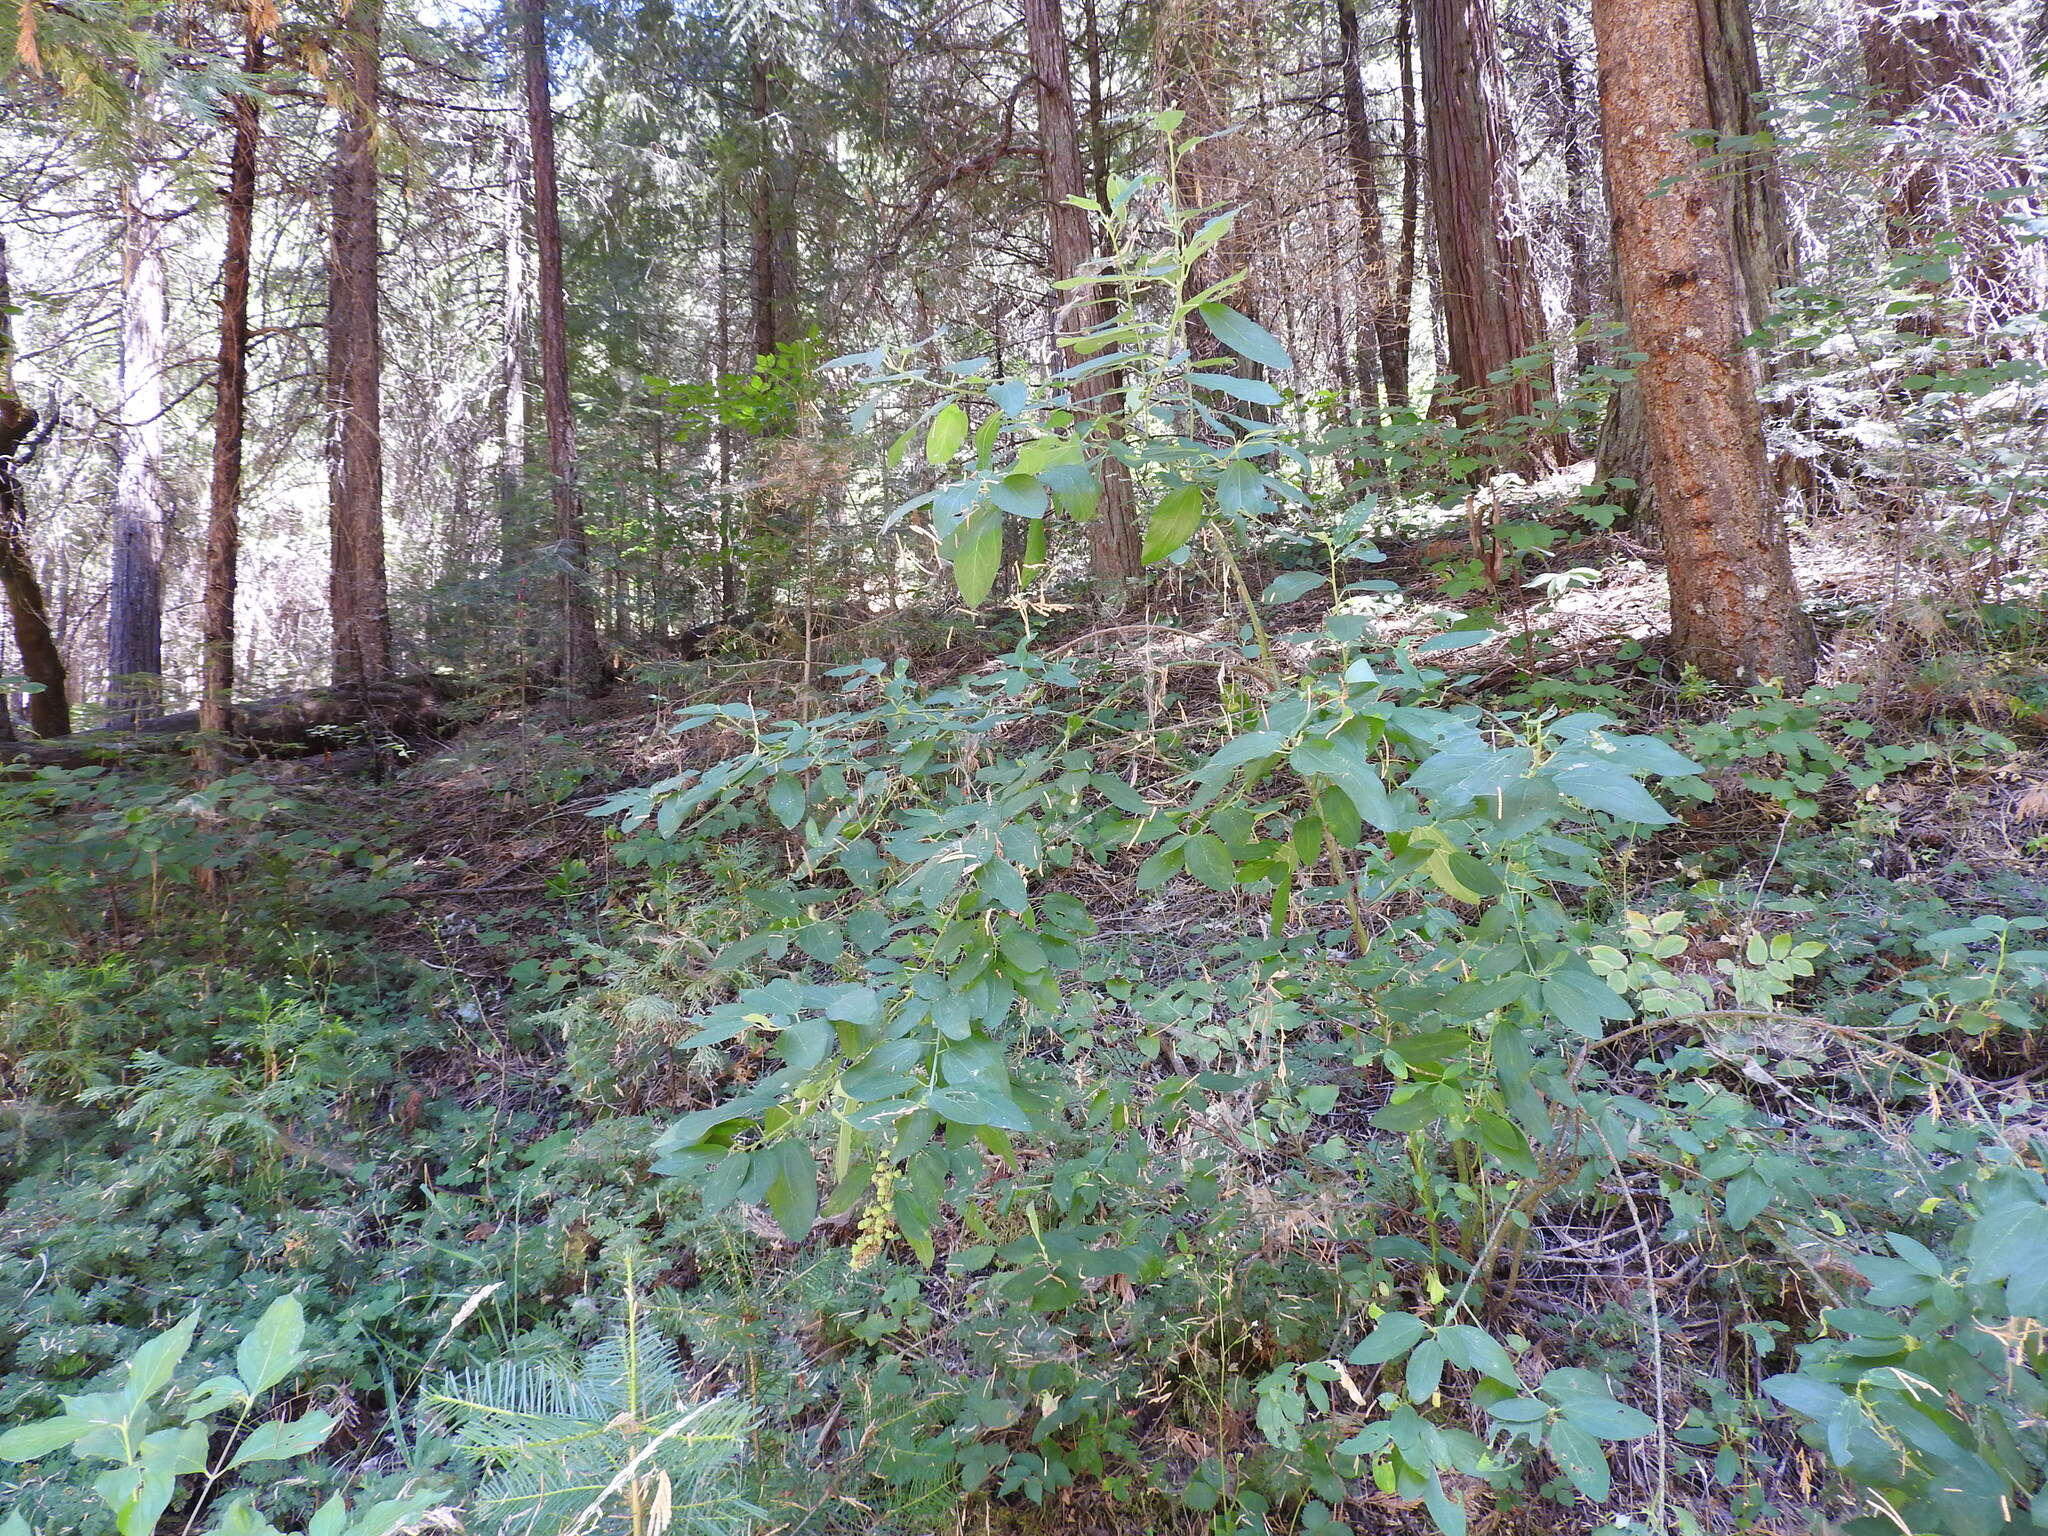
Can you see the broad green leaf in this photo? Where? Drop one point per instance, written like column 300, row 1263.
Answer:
column 1579, row 1457
column 27, row 1442
column 805, row 1042
column 692, row 1128
column 1745, row 1198
column 1020, row 495
column 1010, row 396
column 1343, row 761
column 1605, row 1419
column 1034, row 554
column 242, row 1519
column 792, row 1195
column 1475, row 1349
column 1447, row 1512
column 1247, row 338
column 281, row 1439
column 151, row 1367
column 1173, row 522
column 1251, row 391
column 1582, row 1002
column 271, row 1350
column 1817, row 1400
column 979, row 1106
column 786, row 795
column 945, row 435
column 1603, row 788
column 1236, row 752
column 1289, row 585
column 1425, row 1372
column 1393, row 1337
column 1209, row 862
column 977, row 556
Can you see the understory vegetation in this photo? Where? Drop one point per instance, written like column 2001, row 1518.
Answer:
column 1377, row 1018
column 1225, row 1069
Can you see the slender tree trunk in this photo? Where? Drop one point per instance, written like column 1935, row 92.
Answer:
column 1581, row 250
column 1383, row 316
column 223, row 523
column 49, row 712
column 582, row 665
column 1197, row 63
column 1487, row 287
column 728, row 567
column 1098, row 105
column 358, row 596
column 771, row 317
column 1113, row 533
column 512, row 327
column 1734, row 607
column 1411, row 182
column 770, row 324
column 135, row 599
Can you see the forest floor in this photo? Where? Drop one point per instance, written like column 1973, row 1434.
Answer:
column 526, row 990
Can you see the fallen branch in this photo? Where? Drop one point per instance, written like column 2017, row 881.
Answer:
column 288, row 725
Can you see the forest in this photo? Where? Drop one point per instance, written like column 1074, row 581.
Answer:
column 921, row 767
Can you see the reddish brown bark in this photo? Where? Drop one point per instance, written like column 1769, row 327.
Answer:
column 223, row 523
column 1384, row 317
column 1487, row 288
column 1766, row 255
column 357, row 594
column 49, row 712
column 582, row 666
column 1113, row 533
column 1734, row 606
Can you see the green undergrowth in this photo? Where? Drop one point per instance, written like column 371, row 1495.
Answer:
column 1241, row 1075
column 1253, row 1099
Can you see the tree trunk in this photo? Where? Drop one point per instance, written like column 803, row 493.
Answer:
column 512, row 326
column 49, row 712
column 1383, row 315
column 1113, row 544
column 1210, row 173
column 769, row 285
column 582, row 665
column 1939, row 59
column 1581, row 250
column 1766, row 255
column 728, row 566
column 1487, row 289
column 135, row 599
column 1411, row 183
column 223, row 523
column 1734, row 607
column 358, row 597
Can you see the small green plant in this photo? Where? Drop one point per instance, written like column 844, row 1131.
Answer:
column 157, row 1435
column 613, row 1443
column 1928, row 1393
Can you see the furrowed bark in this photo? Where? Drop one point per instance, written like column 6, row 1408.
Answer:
column 1734, row 607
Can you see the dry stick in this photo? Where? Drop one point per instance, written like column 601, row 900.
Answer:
column 1635, row 1217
